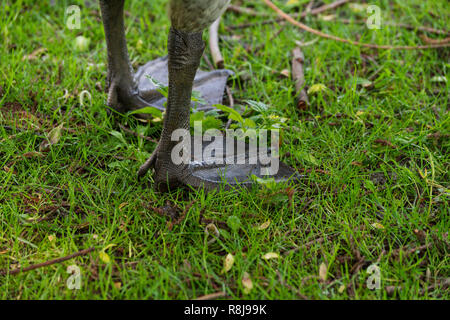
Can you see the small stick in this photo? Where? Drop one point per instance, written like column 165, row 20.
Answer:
column 230, row 97
column 212, row 296
column 399, row 25
column 313, row 12
column 47, row 263
column 434, row 41
column 214, row 44
column 355, row 43
column 247, row 11
column 298, row 59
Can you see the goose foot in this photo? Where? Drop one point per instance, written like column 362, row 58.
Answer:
column 217, row 169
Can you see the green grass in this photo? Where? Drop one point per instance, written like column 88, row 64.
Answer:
column 372, row 155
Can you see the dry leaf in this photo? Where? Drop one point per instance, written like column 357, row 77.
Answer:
column 122, row 205
column 228, row 263
column 247, row 283
column 271, row 255
column 329, row 17
column 35, row 54
column 118, row 285
column 323, row 270
column 285, row 73
column 377, row 225
column 211, row 229
column 265, row 225
column 104, row 257
column 33, row 154
column 316, row 88
column 53, row 137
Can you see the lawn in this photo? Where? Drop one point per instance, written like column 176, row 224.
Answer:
column 370, row 219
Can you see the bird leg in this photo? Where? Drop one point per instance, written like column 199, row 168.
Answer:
column 123, row 95
column 185, row 50
column 128, row 91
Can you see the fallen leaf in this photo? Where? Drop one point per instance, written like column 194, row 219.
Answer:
column 438, row 79
column 329, row 17
column 264, row 226
column 377, row 225
column 228, row 263
column 211, row 229
column 271, row 255
column 285, row 73
column 316, row 88
column 35, row 54
column 104, row 257
column 247, row 283
column 323, row 270
column 33, row 154
column 53, row 138
column 122, row 205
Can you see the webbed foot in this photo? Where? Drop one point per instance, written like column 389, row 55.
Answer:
column 222, row 168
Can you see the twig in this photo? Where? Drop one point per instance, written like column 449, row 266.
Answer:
column 212, row 296
column 434, row 41
column 247, row 11
column 355, row 43
column 214, row 44
column 47, row 263
column 400, row 25
column 298, row 59
column 298, row 15
column 208, row 62
column 230, row 98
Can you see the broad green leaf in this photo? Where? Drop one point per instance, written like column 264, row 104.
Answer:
column 257, row 106
column 148, row 110
column 232, row 114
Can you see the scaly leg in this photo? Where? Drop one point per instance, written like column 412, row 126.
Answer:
column 185, row 46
